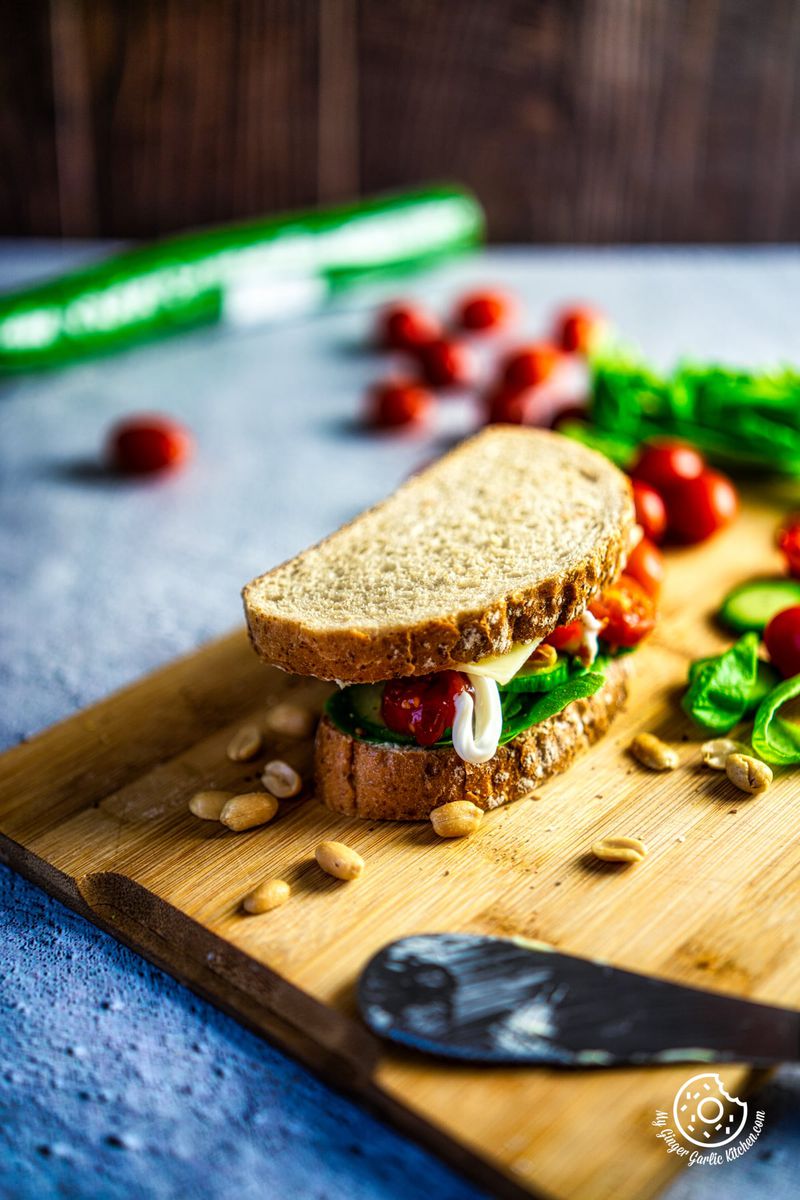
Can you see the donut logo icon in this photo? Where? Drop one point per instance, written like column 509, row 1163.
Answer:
column 705, row 1114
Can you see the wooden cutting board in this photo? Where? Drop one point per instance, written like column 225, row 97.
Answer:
column 95, row 811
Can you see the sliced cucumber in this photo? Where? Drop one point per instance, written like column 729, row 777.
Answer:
column 542, row 679
column 751, row 606
column 365, row 699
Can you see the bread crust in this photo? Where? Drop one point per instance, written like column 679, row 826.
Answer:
column 404, row 783
column 357, row 655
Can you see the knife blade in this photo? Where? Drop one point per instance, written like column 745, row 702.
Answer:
column 508, row 1000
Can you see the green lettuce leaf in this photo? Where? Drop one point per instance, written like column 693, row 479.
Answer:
column 776, row 739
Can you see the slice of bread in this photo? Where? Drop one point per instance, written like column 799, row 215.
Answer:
column 498, row 542
column 404, row 783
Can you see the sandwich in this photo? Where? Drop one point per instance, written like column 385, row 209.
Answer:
column 477, row 624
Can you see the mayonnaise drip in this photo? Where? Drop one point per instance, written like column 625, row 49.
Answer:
column 477, row 742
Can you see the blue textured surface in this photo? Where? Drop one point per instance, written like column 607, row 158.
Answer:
column 114, row 1080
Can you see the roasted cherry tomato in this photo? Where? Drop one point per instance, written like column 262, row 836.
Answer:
column 406, row 326
column 646, row 565
column 789, row 545
column 651, row 512
column 782, row 639
column 147, row 443
column 697, row 508
column 627, row 611
column 423, row 706
column 530, row 365
column 664, row 463
column 579, row 330
column 567, row 637
column 446, row 363
column 396, row 403
column 481, row 312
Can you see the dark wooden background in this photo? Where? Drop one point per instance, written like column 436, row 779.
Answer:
column 574, row 120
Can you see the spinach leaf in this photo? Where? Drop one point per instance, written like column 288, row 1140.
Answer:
column 725, row 687
column 521, row 710
column 776, row 739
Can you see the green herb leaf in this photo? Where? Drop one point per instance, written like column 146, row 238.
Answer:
column 725, row 687
column 776, row 739
column 746, row 420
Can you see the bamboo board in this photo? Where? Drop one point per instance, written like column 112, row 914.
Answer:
column 95, row 811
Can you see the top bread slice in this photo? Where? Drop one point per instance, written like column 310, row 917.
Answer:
column 496, row 543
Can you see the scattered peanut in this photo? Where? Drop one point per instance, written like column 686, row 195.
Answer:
column 339, row 860
column 248, row 810
column 269, row 894
column 291, row 720
column 245, row 743
column 542, row 657
column 717, row 752
column 651, row 752
column 281, row 780
column 459, row 818
column 747, row 773
column 619, row 849
column 209, row 805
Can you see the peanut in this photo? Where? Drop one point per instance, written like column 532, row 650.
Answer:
column 747, row 773
column 542, row 657
column 617, row 848
column 651, row 752
column 717, row 752
column 291, row 720
column 245, row 743
column 339, row 860
column 459, row 818
column 208, row 805
column 248, row 810
column 269, row 894
column 281, row 780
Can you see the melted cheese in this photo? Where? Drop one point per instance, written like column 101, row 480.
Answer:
column 477, row 742
column 500, row 667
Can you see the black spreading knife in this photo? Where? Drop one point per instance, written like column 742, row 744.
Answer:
column 500, row 1000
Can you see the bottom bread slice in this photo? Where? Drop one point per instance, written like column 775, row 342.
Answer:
column 404, row 783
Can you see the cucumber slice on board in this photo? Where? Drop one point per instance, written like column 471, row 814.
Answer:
column 751, row 606
column 541, row 680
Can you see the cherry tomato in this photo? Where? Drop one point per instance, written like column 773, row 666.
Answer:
column 446, row 363
column 505, row 406
column 627, row 611
column 405, row 326
column 147, row 443
column 399, row 402
column 423, row 706
column 664, row 463
column 789, row 545
column 567, row 637
column 782, row 639
column 651, row 512
column 646, row 565
column 697, row 508
column 530, row 365
column 484, row 311
column 579, row 330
